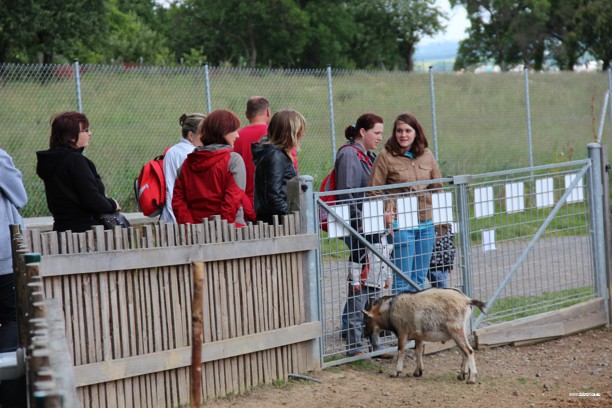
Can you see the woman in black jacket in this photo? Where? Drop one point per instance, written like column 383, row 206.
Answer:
column 74, row 189
column 274, row 164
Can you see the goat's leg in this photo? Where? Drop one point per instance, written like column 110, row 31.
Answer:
column 463, row 368
column 468, row 365
column 401, row 348
column 419, row 346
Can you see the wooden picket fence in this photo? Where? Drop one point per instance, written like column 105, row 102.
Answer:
column 126, row 296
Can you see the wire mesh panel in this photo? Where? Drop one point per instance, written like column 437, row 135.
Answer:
column 523, row 241
column 360, row 240
column 531, row 251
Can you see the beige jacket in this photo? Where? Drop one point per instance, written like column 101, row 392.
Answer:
column 390, row 168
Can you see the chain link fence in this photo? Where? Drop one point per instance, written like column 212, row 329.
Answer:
column 475, row 122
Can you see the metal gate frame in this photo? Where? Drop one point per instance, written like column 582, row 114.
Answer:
column 462, row 188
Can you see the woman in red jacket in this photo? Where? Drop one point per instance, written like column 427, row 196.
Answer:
column 212, row 179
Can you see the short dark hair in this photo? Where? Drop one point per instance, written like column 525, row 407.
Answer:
column 217, row 124
column 420, row 140
column 256, row 105
column 366, row 121
column 65, row 129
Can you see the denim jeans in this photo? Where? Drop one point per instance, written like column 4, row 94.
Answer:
column 355, row 303
column 411, row 254
column 439, row 279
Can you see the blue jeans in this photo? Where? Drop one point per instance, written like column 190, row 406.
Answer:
column 439, row 279
column 355, row 303
column 411, row 254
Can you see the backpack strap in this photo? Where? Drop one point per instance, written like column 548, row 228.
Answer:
column 363, row 157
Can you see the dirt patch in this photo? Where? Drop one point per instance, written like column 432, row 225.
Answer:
column 541, row 375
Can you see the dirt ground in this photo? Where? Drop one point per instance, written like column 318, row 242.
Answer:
column 574, row 371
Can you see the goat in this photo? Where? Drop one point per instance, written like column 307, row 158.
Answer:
column 432, row 315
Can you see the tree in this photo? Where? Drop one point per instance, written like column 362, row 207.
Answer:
column 328, row 38
column 14, row 16
column 131, row 39
column 250, row 33
column 563, row 41
column 59, row 28
column 388, row 30
column 491, row 33
column 595, row 18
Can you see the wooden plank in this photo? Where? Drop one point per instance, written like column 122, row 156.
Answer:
column 123, row 322
column 430, row 348
column 66, row 308
column 238, row 371
column 105, row 316
column 132, row 327
column 172, row 359
column 60, row 358
column 548, row 325
column 225, row 376
column 65, row 264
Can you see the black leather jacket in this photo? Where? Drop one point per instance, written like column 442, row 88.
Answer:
column 273, row 167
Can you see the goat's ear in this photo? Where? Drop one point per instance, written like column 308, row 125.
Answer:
column 367, row 313
column 369, row 303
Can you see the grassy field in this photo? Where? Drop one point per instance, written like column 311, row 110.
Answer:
column 480, row 119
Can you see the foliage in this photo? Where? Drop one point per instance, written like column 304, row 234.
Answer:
column 47, row 31
column 509, row 33
column 132, row 40
column 596, row 18
column 389, row 30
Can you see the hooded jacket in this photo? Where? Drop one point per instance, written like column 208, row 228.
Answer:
column 273, row 167
column 12, row 198
column 79, row 179
column 211, row 181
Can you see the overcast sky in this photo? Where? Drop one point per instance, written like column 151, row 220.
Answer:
column 456, row 25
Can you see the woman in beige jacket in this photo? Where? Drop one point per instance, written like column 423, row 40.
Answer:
column 406, row 159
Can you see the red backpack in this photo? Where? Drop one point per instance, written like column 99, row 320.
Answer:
column 329, row 184
column 150, row 187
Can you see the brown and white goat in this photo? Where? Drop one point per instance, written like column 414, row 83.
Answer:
column 430, row 315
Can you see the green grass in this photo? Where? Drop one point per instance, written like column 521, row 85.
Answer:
column 134, row 115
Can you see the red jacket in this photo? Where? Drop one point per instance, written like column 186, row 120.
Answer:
column 211, row 182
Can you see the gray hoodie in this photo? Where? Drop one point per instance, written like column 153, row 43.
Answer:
column 13, row 197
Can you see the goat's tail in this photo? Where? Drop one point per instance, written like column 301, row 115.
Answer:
column 478, row 304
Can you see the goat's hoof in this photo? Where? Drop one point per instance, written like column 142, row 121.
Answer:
column 471, row 381
column 418, row 373
column 396, row 375
column 461, row 377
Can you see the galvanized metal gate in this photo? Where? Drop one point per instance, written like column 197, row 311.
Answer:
column 529, row 242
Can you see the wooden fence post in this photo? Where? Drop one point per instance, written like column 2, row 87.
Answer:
column 197, row 338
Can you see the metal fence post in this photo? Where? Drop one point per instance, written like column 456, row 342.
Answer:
column 528, row 108
column 312, row 276
column 433, row 111
column 607, row 222
column 77, row 80
column 610, row 96
column 597, row 218
column 207, row 86
column 463, row 213
column 331, row 112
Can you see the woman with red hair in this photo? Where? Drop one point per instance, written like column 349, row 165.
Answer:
column 212, row 179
